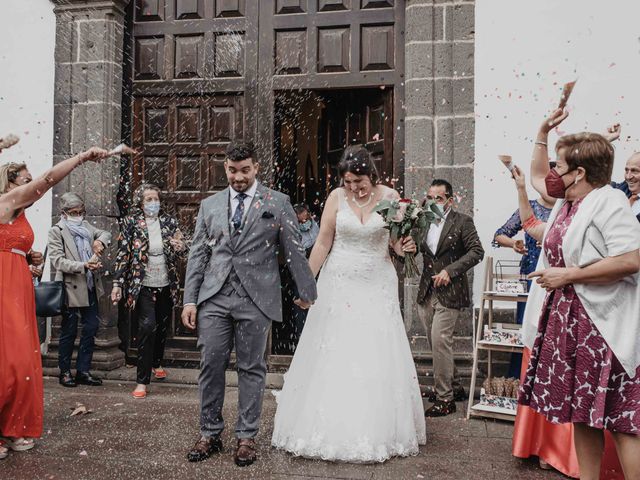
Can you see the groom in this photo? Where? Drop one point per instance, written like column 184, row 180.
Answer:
column 232, row 292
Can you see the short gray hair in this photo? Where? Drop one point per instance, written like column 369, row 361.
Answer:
column 138, row 194
column 70, row 200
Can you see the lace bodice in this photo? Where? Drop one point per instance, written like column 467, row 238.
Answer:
column 16, row 234
column 356, row 239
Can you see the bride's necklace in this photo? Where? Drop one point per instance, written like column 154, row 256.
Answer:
column 362, row 205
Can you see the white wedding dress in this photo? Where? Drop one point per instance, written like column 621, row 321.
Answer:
column 351, row 393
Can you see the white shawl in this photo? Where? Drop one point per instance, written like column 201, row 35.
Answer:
column 603, row 226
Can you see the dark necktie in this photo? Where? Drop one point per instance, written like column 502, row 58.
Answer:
column 236, row 220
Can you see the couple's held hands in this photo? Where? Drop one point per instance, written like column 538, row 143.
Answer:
column 442, row 279
column 190, row 312
column 553, row 278
column 405, row 245
column 303, row 304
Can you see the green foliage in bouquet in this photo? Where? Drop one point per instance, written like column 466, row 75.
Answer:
column 404, row 217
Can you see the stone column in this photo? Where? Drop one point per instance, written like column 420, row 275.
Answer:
column 439, row 101
column 87, row 112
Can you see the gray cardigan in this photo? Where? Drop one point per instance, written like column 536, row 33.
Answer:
column 66, row 262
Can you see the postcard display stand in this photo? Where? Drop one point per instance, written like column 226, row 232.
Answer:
column 501, row 284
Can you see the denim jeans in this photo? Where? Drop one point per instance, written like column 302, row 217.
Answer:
column 90, row 321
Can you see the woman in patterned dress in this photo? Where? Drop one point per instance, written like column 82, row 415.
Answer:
column 21, row 396
column 584, row 366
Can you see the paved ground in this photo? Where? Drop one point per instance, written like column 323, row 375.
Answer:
column 147, row 439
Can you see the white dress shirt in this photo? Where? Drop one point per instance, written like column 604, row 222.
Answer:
column 635, row 208
column 233, row 200
column 433, row 235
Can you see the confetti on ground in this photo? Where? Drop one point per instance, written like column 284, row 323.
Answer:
column 80, row 410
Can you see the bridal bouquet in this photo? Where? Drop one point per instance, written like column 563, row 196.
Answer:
column 404, row 217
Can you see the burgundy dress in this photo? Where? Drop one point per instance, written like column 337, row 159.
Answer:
column 573, row 376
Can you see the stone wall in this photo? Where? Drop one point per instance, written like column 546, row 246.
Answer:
column 88, row 112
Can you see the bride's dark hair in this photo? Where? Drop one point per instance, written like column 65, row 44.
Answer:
column 357, row 160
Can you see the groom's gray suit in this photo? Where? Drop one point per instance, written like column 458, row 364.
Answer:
column 233, row 278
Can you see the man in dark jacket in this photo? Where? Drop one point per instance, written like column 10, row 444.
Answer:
column 450, row 248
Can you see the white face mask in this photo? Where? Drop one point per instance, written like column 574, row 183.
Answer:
column 75, row 220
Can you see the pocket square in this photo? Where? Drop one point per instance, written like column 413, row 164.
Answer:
column 267, row 215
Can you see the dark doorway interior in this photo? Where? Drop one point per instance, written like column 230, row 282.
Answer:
column 312, row 129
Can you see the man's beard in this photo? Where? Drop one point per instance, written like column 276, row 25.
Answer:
column 242, row 187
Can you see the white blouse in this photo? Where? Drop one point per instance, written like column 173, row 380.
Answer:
column 156, row 274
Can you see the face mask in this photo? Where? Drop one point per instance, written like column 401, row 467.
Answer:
column 442, row 209
column 305, row 226
column 75, row 220
column 151, row 208
column 555, row 185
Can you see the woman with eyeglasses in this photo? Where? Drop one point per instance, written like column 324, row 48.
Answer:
column 21, row 396
column 75, row 248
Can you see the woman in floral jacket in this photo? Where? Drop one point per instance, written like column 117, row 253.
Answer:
column 146, row 275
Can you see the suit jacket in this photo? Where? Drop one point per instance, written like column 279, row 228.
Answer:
column 624, row 187
column 269, row 225
column 69, row 268
column 132, row 257
column 459, row 249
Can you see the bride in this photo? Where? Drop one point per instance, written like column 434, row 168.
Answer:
column 351, row 393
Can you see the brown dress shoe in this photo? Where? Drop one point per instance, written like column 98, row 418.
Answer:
column 204, row 448
column 246, row 452
column 441, row 409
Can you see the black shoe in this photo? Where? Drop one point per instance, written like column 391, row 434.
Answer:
column 441, row 409
column 204, row 448
column 459, row 395
column 66, row 380
column 85, row 378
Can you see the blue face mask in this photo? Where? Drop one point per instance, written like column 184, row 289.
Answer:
column 305, row 226
column 151, row 209
column 75, row 220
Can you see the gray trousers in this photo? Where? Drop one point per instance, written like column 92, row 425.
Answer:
column 439, row 323
column 226, row 319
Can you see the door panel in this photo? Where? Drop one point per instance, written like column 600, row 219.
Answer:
column 202, row 74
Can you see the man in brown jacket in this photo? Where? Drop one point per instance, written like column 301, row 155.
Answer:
column 449, row 248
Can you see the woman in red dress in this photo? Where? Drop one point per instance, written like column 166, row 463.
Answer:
column 21, row 396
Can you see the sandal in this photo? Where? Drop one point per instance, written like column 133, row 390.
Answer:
column 20, row 444
column 139, row 394
column 159, row 373
column 4, row 451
